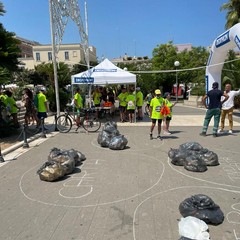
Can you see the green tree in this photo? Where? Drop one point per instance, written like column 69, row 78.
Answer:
column 233, row 12
column 9, row 52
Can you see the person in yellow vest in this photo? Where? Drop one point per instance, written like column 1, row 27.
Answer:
column 13, row 108
column 168, row 118
column 131, row 105
column 97, row 97
column 155, row 113
column 123, row 103
column 42, row 105
column 139, row 103
column 78, row 102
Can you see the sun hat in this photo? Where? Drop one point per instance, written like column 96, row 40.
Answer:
column 157, row 91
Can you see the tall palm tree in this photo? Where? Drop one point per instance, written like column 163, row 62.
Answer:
column 233, row 12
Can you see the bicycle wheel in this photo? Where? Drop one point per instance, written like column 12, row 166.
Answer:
column 64, row 124
column 91, row 123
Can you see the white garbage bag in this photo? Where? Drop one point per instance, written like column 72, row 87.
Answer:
column 193, row 228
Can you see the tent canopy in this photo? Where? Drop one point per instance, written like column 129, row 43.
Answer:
column 104, row 73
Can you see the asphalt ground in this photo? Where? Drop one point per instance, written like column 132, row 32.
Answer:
column 130, row 194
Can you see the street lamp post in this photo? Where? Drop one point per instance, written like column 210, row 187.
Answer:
column 176, row 64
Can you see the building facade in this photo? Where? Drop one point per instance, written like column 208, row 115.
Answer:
column 35, row 54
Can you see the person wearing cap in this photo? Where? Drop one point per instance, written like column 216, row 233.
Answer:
column 213, row 108
column 168, row 118
column 78, row 103
column 42, row 105
column 155, row 112
column 139, row 103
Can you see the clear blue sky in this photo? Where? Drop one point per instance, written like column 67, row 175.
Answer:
column 117, row 27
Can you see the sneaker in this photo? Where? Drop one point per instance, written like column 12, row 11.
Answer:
column 151, row 136
column 220, row 130
column 215, row 135
column 166, row 133
column 203, row 134
column 230, row 131
column 159, row 137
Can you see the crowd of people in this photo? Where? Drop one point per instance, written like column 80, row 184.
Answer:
column 36, row 106
column 219, row 104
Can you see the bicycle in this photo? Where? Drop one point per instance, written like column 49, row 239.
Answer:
column 88, row 121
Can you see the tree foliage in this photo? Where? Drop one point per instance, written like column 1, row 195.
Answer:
column 9, row 52
column 233, row 12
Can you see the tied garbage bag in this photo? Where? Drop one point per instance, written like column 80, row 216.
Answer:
column 193, row 228
column 195, row 164
column 77, row 156
column 118, row 143
column 104, row 138
column 193, row 157
column 111, row 138
column 51, row 171
column 110, row 126
column 202, row 207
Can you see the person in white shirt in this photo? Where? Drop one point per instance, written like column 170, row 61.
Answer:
column 227, row 108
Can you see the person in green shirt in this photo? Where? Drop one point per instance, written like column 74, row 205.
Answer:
column 131, row 105
column 155, row 113
column 122, row 103
column 168, row 118
column 42, row 105
column 13, row 108
column 78, row 102
column 139, row 103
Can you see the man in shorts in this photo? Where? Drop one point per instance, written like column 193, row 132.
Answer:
column 155, row 113
column 78, row 102
column 42, row 105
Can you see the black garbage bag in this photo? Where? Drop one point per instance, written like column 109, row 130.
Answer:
column 51, row 171
column 178, row 157
column 118, row 143
column 193, row 157
column 202, row 207
column 64, row 158
column 104, row 138
column 77, row 156
column 195, row 164
column 110, row 126
column 209, row 157
column 190, row 146
column 108, row 132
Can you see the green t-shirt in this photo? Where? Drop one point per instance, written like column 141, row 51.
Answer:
column 130, row 102
column 79, row 100
column 139, row 97
column 11, row 103
column 156, row 105
column 169, row 104
column 122, row 99
column 41, row 102
column 97, row 98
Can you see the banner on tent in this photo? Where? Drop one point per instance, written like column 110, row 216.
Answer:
column 83, row 80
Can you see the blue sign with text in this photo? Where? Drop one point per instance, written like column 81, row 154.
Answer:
column 83, row 80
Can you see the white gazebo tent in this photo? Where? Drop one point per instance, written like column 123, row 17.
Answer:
column 104, row 73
